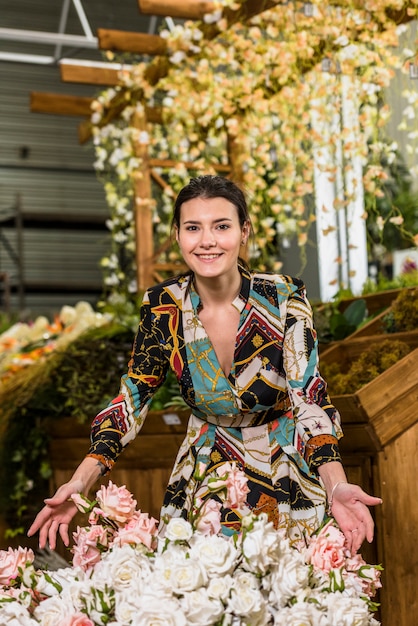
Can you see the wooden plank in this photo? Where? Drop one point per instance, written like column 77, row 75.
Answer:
column 397, row 529
column 350, row 408
column 358, row 439
column 155, row 423
column 185, row 9
column 60, row 104
column 391, row 399
column 144, row 452
column 90, row 75
column 332, row 353
column 343, row 352
column 375, row 302
column 126, row 41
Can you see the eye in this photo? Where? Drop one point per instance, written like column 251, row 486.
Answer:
column 223, row 226
column 191, row 227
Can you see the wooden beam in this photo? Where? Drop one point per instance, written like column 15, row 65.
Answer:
column 186, row 9
column 60, row 104
column 124, row 41
column 143, row 209
column 192, row 9
column 71, row 73
column 84, row 131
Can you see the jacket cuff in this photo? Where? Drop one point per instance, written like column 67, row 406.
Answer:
column 320, row 450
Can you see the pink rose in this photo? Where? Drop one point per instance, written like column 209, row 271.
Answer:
column 140, row 529
column 95, row 515
column 209, row 519
column 10, row 562
column 326, row 550
column 117, row 503
column 88, row 545
column 236, row 485
column 368, row 576
column 78, row 619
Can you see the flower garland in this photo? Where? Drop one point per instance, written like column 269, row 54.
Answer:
column 258, row 84
column 126, row 572
column 24, row 343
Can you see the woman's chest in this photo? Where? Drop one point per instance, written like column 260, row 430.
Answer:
column 221, row 327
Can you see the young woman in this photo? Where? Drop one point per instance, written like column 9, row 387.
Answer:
column 243, row 347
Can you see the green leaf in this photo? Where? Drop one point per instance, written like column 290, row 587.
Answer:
column 356, row 312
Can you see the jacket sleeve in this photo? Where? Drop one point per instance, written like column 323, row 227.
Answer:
column 119, row 423
column 317, row 420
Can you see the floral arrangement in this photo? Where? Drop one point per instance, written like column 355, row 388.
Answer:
column 264, row 89
column 128, row 572
column 26, row 343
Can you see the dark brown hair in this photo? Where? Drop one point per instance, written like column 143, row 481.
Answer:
column 209, row 186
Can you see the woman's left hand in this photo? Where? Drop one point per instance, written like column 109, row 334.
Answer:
column 349, row 507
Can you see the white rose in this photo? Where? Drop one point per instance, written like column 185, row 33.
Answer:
column 219, row 586
column 217, row 554
column 178, row 529
column 120, row 566
column 49, row 583
column 200, row 609
column 289, row 578
column 261, row 547
column 301, row 614
column 156, row 611
column 187, row 575
column 14, row 614
column 247, row 600
column 53, row 610
column 346, row 611
column 126, row 605
column 165, row 563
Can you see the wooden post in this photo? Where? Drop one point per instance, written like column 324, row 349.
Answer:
column 236, row 156
column 143, row 207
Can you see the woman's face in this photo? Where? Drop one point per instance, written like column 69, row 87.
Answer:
column 210, row 236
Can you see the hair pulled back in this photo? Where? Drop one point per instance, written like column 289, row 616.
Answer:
column 209, row 186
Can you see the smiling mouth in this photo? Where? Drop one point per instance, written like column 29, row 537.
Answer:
column 208, row 257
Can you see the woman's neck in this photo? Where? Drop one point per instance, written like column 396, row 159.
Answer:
column 216, row 291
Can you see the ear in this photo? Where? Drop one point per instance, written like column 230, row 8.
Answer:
column 245, row 232
column 176, row 233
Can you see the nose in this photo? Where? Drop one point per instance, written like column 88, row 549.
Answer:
column 208, row 239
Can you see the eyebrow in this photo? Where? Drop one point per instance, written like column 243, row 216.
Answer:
column 220, row 219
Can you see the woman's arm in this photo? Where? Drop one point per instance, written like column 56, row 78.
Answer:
column 59, row 510
column 318, row 424
column 111, row 430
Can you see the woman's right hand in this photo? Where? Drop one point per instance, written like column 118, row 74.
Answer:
column 59, row 510
column 56, row 515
